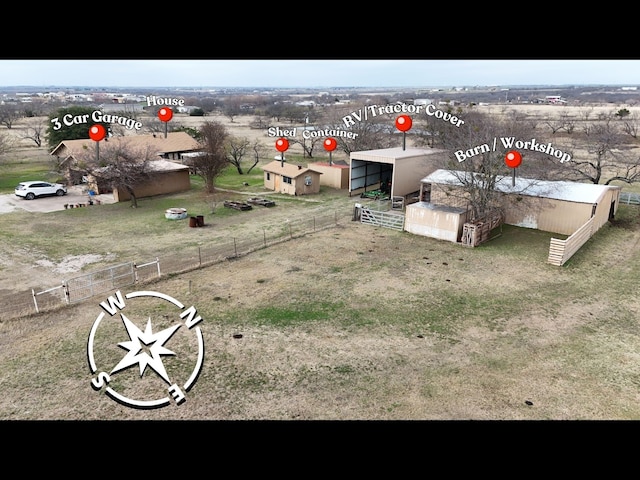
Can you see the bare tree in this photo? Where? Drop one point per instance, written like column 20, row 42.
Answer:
column 258, row 149
column 568, row 122
column 476, row 164
column 38, row 107
column 231, row 107
column 237, row 149
column 119, row 165
column 630, row 125
column 158, row 127
column 308, row 145
column 586, row 113
column 7, row 142
column 214, row 159
column 35, row 130
column 607, row 161
column 9, row 114
column 366, row 134
column 426, row 130
column 128, row 110
column 555, row 124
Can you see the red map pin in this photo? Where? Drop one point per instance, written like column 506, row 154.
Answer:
column 330, row 144
column 513, row 159
column 165, row 114
column 403, row 123
column 97, row 132
column 282, row 144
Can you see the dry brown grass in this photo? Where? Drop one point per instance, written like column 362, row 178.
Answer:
column 358, row 322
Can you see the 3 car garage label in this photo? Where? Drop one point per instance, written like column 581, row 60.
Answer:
column 96, row 117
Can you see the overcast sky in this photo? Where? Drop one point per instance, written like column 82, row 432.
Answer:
column 316, row 73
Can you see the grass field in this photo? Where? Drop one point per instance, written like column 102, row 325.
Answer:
column 358, row 322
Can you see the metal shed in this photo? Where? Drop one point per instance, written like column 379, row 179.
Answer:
column 372, row 169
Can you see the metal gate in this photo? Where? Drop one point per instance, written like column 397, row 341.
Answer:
column 391, row 220
column 86, row 286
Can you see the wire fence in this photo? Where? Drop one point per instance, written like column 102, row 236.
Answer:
column 83, row 287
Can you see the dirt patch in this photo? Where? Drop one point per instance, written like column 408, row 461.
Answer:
column 71, row 263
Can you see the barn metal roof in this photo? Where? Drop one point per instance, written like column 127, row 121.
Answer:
column 391, row 155
column 558, row 190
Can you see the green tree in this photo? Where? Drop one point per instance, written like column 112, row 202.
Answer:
column 70, row 123
column 623, row 112
column 194, row 132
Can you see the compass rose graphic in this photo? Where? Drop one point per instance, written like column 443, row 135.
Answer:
column 145, row 349
column 138, row 352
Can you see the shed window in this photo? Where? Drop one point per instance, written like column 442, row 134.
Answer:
column 286, row 180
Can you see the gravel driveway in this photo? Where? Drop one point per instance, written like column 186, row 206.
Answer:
column 10, row 202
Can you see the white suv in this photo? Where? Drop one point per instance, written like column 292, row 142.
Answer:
column 31, row 190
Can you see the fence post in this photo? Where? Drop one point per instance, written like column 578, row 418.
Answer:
column 135, row 272
column 158, row 263
column 35, row 302
column 67, row 295
column 199, row 257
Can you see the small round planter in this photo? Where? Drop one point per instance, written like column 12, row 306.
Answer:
column 175, row 213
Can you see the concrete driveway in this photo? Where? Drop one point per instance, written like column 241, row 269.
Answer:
column 75, row 196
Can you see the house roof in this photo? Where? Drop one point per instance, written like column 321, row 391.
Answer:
column 558, row 190
column 287, row 169
column 161, row 165
column 175, row 142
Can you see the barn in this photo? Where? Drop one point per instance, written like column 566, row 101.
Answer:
column 560, row 207
column 283, row 177
column 403, row 168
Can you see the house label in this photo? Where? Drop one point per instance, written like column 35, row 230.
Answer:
column 153, row 100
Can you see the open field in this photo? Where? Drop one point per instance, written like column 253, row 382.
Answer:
column 359, row 322
column 351, row 322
